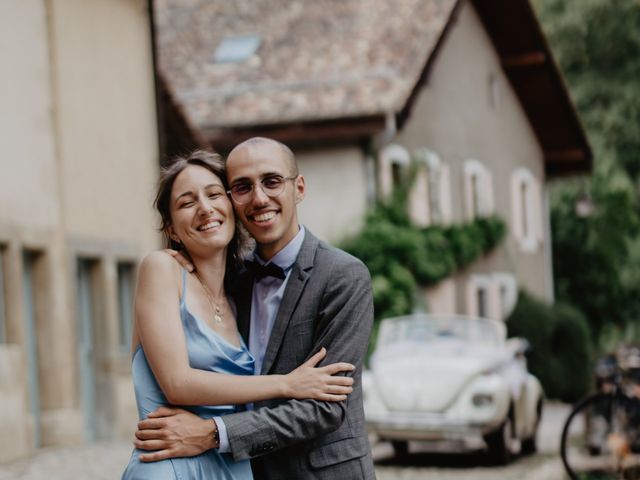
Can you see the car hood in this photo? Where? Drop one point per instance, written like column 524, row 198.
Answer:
column 430, row 379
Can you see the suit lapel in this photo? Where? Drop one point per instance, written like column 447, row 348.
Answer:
column 295, row 286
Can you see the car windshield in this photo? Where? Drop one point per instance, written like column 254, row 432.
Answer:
column 430, row 328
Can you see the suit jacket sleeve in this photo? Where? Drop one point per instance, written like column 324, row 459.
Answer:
column 344, row 324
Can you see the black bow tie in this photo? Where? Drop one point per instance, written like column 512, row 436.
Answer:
column 260, row 271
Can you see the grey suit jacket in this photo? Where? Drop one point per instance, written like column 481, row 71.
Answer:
column 327, row 302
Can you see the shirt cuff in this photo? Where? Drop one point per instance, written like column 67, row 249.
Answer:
column 222, row 433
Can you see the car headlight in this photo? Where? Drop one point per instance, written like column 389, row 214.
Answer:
column 482, row 399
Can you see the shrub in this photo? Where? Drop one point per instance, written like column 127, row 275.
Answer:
column 393, row 292
column 560, row 354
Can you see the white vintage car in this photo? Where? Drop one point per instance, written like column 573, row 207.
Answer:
column 455, row 381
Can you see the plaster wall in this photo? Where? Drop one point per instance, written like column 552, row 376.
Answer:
column 336, row 191
column 468, row 110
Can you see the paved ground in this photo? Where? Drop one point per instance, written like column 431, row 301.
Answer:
column 106, row 461
column 545, row 465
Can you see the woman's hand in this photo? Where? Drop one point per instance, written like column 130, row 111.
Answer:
column 319, row 383
column 181, row 259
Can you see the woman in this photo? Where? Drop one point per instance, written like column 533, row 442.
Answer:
column 187, row 349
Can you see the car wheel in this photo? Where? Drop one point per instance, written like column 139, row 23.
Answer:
column 400, row 447
column 499, row 443
column 529, row 445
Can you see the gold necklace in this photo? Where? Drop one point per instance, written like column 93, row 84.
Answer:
column 217, row 310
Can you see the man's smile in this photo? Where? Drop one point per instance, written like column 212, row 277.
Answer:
column 263, row 217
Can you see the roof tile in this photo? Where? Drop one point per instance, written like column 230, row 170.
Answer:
column 318, row 59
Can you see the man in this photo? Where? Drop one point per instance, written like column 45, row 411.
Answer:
column 309, row 296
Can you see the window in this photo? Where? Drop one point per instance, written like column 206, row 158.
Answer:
column 125, row 304
column 444, row 213
column 237, row 49
column 420, row 205
column 30, row 265
column 393, row 161
column 523, row 208
column 502, row 291
column 507, row 288
column 492, row 295
column 431, row 198
column 87, row 351
column 478, row 190
column 3, row 302
column 481, row 302
column 526, row 210
column 475, row 196
column 396, row 174
column 480, row 296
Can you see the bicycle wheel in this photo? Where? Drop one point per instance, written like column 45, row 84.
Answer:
column 595, row 443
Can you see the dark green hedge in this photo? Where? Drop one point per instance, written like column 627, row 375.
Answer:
column 560, row 354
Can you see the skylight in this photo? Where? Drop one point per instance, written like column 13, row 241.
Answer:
column 237, row 49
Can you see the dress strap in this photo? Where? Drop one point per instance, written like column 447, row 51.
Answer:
column 183, row 298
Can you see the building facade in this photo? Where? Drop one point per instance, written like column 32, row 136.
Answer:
column 470, row 131
column 468, row 89
column 79, row 161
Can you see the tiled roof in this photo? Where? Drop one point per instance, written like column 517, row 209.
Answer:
column 318, row 59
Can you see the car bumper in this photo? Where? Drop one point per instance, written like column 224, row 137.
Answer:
column 408, row 426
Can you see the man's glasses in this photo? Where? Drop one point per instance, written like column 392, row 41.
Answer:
column 272, row 186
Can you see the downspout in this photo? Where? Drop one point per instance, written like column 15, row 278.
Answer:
column 375, row 144
column 160, row 125
column 548, row 246
column 390, row 129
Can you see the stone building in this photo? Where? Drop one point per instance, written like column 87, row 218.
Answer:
column 467, row 88
column 79, row 161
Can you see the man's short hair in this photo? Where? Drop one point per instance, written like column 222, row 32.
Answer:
column 257, row 141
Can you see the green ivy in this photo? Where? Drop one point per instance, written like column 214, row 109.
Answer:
column 402, row 256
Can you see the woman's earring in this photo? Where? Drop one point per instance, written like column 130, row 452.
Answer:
column 177, row 241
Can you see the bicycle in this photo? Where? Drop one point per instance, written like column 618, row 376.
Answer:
column 601, row 436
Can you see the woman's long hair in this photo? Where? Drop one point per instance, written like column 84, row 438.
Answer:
column 215, row 164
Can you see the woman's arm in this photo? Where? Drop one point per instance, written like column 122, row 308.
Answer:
column 158, row 324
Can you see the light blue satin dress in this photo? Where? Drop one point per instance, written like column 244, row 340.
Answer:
column 207, row 351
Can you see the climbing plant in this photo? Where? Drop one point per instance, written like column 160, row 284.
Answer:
column 402, row 256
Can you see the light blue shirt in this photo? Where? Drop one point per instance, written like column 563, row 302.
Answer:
column 265, row 302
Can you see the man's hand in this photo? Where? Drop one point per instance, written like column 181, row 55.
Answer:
column 181, row 259
column 174, row 432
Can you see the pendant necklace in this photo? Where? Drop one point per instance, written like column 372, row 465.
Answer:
column 217, row 309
